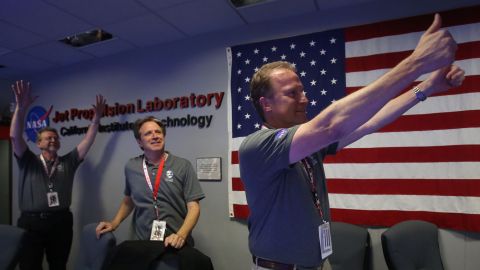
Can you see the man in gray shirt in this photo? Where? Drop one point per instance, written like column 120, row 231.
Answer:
column 45, row 185
column 162, row 189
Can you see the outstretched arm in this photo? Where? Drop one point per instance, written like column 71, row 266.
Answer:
column 89, row 138
column 436, row 49
column 23, row 101
column 439, row 81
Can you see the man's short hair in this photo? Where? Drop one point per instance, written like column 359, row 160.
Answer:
column 45, row 129
column 138, row 124
column 260, row 84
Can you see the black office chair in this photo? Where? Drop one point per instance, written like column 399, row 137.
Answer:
column 95, row 254
column 351, row 247
column 412, row 245
column 11, row 241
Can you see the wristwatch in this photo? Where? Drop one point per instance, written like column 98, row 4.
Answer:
column 419, row 94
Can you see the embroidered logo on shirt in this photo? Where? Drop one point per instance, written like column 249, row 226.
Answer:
column 169, row 175
column 59, row 168
column 281, row 133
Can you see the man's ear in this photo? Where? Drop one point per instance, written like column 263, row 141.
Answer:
column 265, row 103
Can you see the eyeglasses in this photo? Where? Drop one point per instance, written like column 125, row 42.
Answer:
column 51, row 138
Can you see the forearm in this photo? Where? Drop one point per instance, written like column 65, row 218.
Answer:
column 88, row 140
column 16, row 131
column 190, row 220
column 126, row 207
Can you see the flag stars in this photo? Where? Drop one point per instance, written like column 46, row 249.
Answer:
column 313, row 102
column 303, row 74
column 239, row 71
column 256, row 51
column 247, row 62
column 333, row 60
column 334, row 81
column 247, row 97
column 265, row 59
column 283, row 57
column 247, row 116
column 313, row 62
column 257, row 125
column 239, row 54
column 333, row 40
column 255, row 69
column 247, row 79
column 239, row 126
column 239, row 108
column 323, row 72
column 304, row 93
column 302, row 54
column 323, row 92
column 313, row 82
column 312, row 43
column 292, row 46
column 239, row 89
column 323, row 52
column 274, row 49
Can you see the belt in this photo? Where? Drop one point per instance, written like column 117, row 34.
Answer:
column 45, row 215
column 272, row 265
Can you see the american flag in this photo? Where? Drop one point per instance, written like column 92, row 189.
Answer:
column 425, row 165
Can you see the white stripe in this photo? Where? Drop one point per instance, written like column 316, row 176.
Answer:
column 450, row 103
column 236, row 142
column 406, row 42
column 442, row 204
column 438, row 170
column 235, row 170
column 238, row 197
column 463, row 136
column 361, row 78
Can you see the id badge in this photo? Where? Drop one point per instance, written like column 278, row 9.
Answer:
column 158, row 230
column 325, row 240
column 52, row 199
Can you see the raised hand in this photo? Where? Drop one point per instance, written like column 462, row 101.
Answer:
column 22, row 94
column 435, row 49
column 445, row 78
column 99, row 108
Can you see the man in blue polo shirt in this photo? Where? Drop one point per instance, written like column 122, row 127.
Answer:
column 281, row 164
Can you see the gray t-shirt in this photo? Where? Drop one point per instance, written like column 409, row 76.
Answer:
column 178, row 186
column 33, row 181
column 283, row 222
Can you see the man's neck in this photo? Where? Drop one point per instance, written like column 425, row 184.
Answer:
column 154, row 157
column 48, row 155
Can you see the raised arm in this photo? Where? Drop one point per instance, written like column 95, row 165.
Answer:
column 126, row 207
column 89, row 138
column 23, row 99
column 177, row 240
column 439, row 81
column 436, row 49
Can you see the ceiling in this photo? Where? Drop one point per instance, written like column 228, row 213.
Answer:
column 30, row 29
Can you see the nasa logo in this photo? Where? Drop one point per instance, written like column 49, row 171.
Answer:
column 37, row 118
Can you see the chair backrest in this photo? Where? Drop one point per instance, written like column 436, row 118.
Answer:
column 95, row 253
column 11, row 242
column 412, row 245
column 351, row 247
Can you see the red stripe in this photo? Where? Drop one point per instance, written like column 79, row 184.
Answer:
column 4, row 133
column 471, row 84
column 389, row 60
column 448, row 153
column 235, row 157
column 455, row 221
column 440, row 187
column 237, row 184
column 434, row 121
column 240, row 211
column 412, row 24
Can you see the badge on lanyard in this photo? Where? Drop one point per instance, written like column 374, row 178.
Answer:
column 158, row 230
column 325, row 240
column 52, row 199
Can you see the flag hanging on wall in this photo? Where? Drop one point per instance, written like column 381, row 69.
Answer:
column 425, row 165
